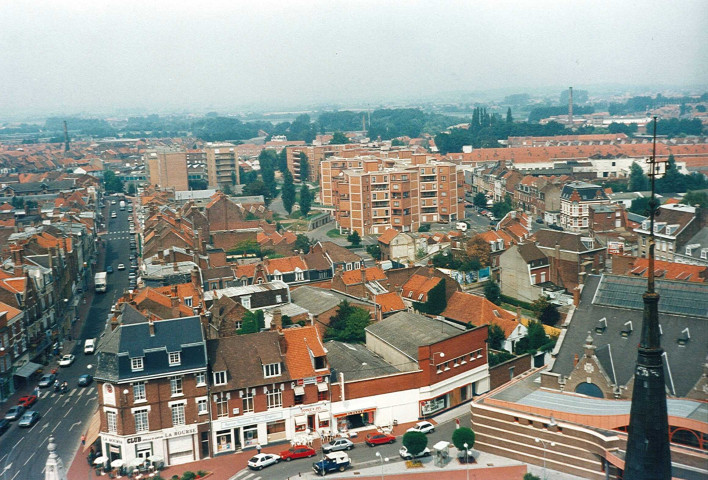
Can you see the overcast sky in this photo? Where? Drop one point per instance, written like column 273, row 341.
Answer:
column 66, row 56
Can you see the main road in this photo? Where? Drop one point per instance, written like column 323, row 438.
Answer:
column 23, row 452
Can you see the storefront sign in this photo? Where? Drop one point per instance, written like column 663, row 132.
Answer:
column 247, row 420
column 355, row 412
column 180, row 431
column 312, row 409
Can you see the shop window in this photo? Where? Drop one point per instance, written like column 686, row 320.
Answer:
column 250, row 435
column 224, row 441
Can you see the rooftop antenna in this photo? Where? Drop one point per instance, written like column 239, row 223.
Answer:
column 648, row 451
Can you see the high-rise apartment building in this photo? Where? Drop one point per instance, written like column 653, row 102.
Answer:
column 168, row 168
column 222, row 164
column 370, row 194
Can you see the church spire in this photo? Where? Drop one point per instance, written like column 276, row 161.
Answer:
column 648, row 452
column 54, row 468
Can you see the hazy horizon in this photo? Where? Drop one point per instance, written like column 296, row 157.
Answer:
column 68, row 57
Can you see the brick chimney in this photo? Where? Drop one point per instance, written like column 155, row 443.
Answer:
column 277, row 322
column 174, row 299
column 518, row 314
column 195, row 277
column 576, row 296
column 151, row 327
column 363, row 273
column 17, row 258
column 114, row 322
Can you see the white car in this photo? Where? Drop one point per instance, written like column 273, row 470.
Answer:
column 424, row 427
column 403, row 452
column 113, row 215
column 66, row 360
column 121, row 266
column 90, row 346
column 262, row 460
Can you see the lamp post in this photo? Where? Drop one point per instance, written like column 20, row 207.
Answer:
column 383, row 459
column 552, row 444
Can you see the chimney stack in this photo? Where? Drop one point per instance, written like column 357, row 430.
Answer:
column 195, row 277
column 363, row 274
column 277, row 322
column 151, row 327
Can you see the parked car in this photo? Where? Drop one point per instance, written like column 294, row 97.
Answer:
column 109, row 269
column 15, row 412
column 424, row 427
column 338, row 444
column 297, row 451
column 4, row 425
column 89, row 346
column 374, row 439
column 47, row 380
column 66, row 360
column 113, row 215
column 29, row 419
column 403, row 452
column 27, row 401
column 85, row 380
column 262, row 460
column 336, row 461
column 121, row 266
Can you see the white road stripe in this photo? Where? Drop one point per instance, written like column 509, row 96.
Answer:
column 72, row 392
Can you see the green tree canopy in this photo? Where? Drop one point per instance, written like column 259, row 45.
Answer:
column 302, row 243
column 283, row 160
column 305, row 200
column 696, row 198
column 436, row 301
column 111, row 182
column 304, row 167
column 267, row 160
column 461, row 436
column 288, row 193
column 535, row 339
column 638, row 181
column 509, row 118
column 415, row 442
column 339, row 139
column 198, row 184
column 252, row 322
column 545, row 311
column 496, row 336
column 246, row 247
column 354, row 238
column 348, row 324
column 640, row 206
column 492, row 292
column 480, row 200
column 257, row 187
column 499, row 209
column 374, row 250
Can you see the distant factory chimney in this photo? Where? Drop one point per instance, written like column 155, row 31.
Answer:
column 66, row 137
column 570, row 107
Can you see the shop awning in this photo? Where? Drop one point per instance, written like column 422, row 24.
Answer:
column 27, row 369
column 323, row 417
column 322, row 387
column 93, row 430
column 299, row 391
column 300, row 420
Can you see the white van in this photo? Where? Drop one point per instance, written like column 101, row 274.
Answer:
column 461, row 226
column 90, row 346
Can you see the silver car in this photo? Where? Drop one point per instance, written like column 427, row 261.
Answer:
column 338, row 444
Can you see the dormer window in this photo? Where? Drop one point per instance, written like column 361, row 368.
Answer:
column 271, row 370
column 174, row 358
column 320, row 363
column 188, row 301
column 136, row 364
column 277, row 275
column 246, row 302
column 220, row 378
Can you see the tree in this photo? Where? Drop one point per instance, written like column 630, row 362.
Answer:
column 302, row 243
column 131, row 188
column 354, row 238
column 480, row 200
column 462, row 436
column 288, row 192
column 348, row 324
column 499, row 209
column 246, row 247
column 267, row 160
column 535, row 339
column 696, row 198
column 672, row 181
column 111, row 182
column 258, row 188
column 415, row 442
column 496, row 336
column 283, row 160
column 638, row 181
column 304, row 167
column 436, row 301
column 545, row 311
column 640, row 206
column 305, row 200
column 424, row 227
column 374, row 250
column 198, row 184
column 478, row 248
column 252, row 322
column 531, row 476
column 339, row 139
column 509, row 118
column 492, row 292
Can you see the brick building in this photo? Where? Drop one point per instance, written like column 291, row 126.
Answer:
column 151, row 378
column 575, row 201
column 168, row 169
column 222, row 165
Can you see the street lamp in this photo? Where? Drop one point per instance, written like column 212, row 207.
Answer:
column 383, row 459
column 552, row 444
column 467, row 460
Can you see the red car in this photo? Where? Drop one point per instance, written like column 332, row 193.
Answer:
column 379, row 439
column 297, row 451
column 27, row 401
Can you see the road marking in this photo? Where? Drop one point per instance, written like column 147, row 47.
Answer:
column 15, row 475
column 29, row 458
column 74, row 424
column 67, row 412
column 44, row 426
column 90, row 391
column 72, row 392
column 242, row 472
column 56, row 426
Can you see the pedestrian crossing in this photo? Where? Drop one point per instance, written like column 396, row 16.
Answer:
column 245, row 475
column 79, row 391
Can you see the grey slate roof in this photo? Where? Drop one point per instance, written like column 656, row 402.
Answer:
column 183, row 335
column 530, row 252
column 356, row 361
column 407, row 331
column 317, row 300
column 587, row 191
column 618, row 355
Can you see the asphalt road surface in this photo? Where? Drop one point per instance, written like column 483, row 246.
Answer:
column 23, row 451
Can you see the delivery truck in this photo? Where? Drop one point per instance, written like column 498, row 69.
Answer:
column 100, row 281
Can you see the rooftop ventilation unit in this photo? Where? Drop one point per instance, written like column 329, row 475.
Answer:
column 601, row 326
column 684, row 337
column 627, row 330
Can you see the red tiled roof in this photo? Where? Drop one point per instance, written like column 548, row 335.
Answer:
column 477, row 311
column 352, row 277
column 671, row 270
column 418, row 286
column 303, row 344
column 285, row 264
column 245, row 270
column 390, row 302
column 12, row 312
column 387, row 236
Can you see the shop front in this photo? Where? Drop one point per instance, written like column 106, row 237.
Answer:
column 355, row 419
column 316, row 417
column 236, row 433
column 174, row 445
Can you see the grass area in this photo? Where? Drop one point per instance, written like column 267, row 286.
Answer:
column 334, row 233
